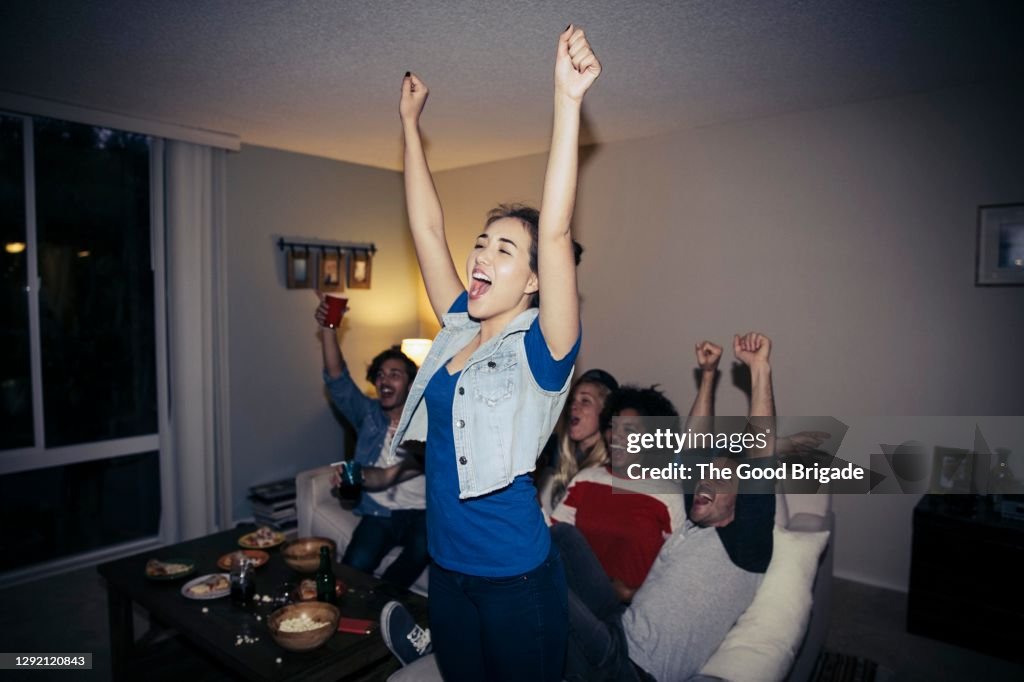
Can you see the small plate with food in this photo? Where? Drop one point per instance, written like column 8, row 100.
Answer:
column 257, row 557
column 263, row 537
column 169, row 569
column 212, row 586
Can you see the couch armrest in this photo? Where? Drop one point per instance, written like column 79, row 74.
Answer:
column 821, row 614
column 777, row 631
column 809, row 523
column 312, row 489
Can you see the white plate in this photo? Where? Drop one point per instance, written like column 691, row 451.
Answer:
column 215, row 594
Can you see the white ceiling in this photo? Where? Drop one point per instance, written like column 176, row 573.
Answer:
column 322, row 77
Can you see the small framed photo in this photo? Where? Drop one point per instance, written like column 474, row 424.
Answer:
column 359, row 263
column 951, row 471
column 1000, row 245
column 331, row 271
column 299, row 269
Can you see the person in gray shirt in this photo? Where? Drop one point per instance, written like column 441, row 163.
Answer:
column 703, row 579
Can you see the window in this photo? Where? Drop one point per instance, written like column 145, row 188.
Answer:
column 96, row 285
column 79, row 436
column 59, row 511
column 15, row 350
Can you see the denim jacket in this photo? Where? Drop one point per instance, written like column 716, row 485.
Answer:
column 371, row 425
column 501, row 417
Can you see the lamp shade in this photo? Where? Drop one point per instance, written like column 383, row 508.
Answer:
column 416, row 349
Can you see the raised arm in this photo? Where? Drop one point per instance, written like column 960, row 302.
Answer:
column 576, row 69
column 708, row 355
column 334, row 362
column 344, row 393
column 754, row 350
column 426, row 220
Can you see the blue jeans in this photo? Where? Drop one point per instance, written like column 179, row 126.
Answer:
column 375, row 536
column 511, row 628
column 597, row 647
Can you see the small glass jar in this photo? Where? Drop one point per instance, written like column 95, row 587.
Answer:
column 243, row 586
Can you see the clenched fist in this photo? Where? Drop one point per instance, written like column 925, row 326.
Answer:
column 752, row 348
column 708, row 355
column 576, row 65
column 414, row 97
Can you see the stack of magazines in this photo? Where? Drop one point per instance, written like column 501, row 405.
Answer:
column 273, row 504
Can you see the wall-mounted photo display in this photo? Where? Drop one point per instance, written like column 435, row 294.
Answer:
column 331, row 272
column 300, row 267
column 326, row 265
column 359, row 263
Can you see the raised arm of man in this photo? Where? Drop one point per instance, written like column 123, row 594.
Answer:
column 701, row 419
column 754, row 350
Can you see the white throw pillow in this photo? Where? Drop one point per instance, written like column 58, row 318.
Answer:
column 765, row 639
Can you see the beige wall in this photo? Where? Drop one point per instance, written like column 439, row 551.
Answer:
column 280, row 421
column 847, row 234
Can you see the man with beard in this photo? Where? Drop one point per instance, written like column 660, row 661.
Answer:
column 393, row 499
column 703, row 579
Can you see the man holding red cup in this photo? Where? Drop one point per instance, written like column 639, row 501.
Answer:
column 391, row 500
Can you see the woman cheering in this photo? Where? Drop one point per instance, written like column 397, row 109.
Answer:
column 486, row 399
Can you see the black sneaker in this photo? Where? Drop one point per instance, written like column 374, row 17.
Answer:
column 407, row 640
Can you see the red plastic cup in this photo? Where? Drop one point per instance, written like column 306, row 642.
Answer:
column 336, row 305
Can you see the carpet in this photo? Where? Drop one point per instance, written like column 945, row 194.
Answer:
column 836, row 667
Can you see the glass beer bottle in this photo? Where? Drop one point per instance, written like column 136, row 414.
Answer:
column 325, row 582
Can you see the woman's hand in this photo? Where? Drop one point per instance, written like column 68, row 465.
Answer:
column 414, row 97
column 576, row 65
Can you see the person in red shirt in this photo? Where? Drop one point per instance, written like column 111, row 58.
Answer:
column 625, row 531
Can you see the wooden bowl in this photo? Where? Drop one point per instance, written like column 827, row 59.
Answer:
column 303, row 554
column 311, row 639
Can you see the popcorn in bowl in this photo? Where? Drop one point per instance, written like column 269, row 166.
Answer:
column 301, row 623
column 303, row 626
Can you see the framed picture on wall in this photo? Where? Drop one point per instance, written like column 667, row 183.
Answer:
column 1000, row 245
column 299, row 269
column 331, row 271
column 951, row 471
column 359, row 263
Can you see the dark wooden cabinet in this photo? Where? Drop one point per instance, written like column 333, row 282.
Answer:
column 967, row 577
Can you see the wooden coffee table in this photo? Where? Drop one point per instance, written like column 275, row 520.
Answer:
column 215, row 632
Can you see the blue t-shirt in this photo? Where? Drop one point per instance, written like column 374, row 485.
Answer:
column 503, row 532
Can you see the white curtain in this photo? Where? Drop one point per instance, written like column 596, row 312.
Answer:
column 194, row 185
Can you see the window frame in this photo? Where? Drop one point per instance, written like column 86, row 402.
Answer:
column 39, row 456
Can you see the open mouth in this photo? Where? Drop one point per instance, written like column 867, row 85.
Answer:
column 480, row 285
column 386, row 392
column 574, row 421
column 703, row 495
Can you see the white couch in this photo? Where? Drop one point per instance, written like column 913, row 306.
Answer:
column 321, row 514
column 780, row 635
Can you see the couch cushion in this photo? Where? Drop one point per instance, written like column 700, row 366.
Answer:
column 765, row 639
